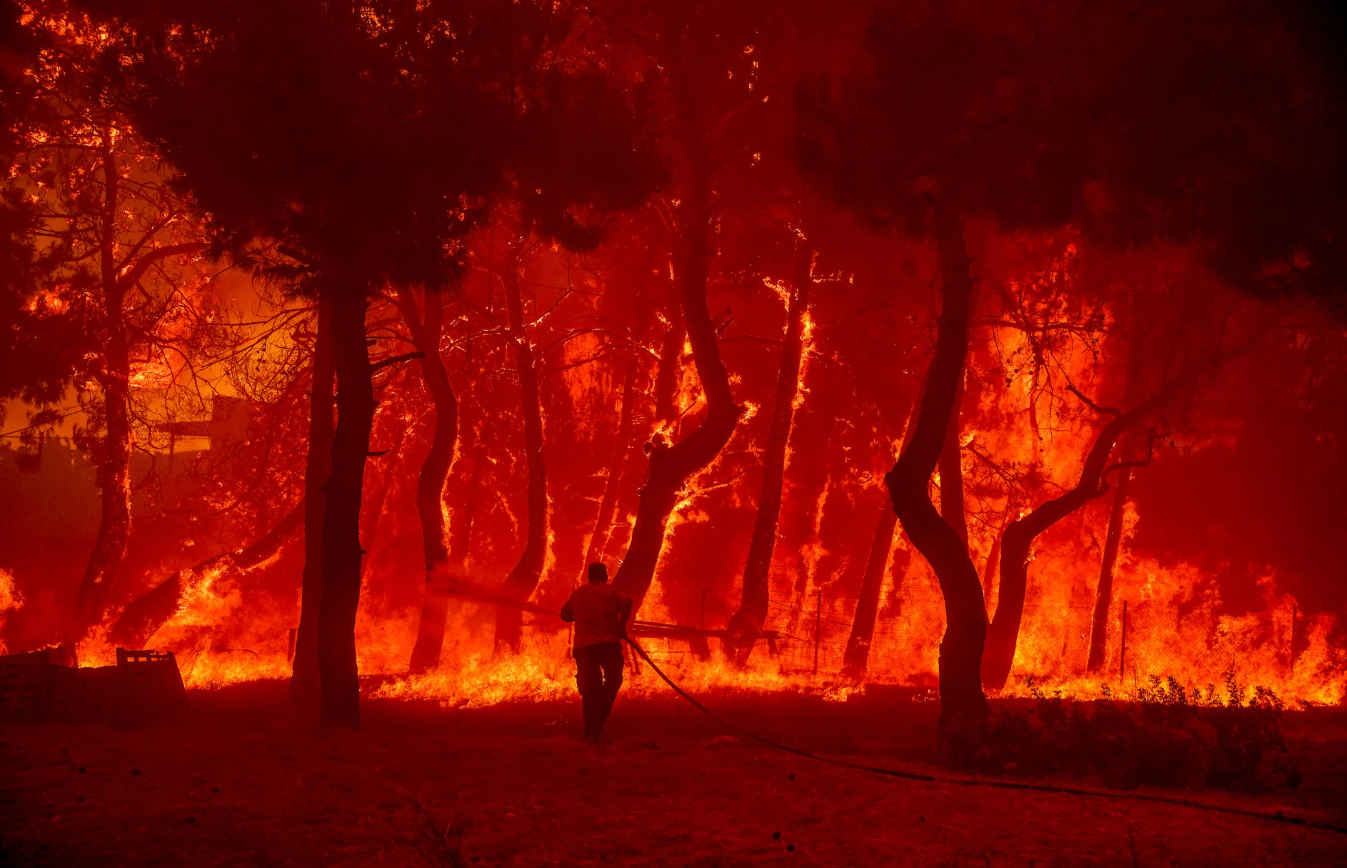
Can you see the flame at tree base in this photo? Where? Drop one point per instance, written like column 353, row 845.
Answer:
column 1174, row 630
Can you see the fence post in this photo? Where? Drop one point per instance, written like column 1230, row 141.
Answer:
column 1122, row 652
column 818, row 626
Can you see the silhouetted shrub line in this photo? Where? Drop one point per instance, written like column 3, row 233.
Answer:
column 1169, row 736
column 1235, row 693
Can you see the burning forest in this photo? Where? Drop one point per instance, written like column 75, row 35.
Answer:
column 924, row 420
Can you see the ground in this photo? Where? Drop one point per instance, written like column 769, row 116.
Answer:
column 235, row 784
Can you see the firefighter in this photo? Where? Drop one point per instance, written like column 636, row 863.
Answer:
column 600, row 613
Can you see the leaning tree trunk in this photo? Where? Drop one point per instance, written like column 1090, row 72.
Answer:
column 664, row 391
column 746, row 623
column 1113, row 536
column 856, row 657
column 144, row 615
column 1104, row 591
column 317, row 468
column 992, row 570
column 337, row 670
column 963, row 707
column 1019, row 536
column 672, row 466
column 523, row 579
column 951, row 471
column 434, row 474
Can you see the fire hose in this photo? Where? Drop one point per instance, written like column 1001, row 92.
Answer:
column 460, row 589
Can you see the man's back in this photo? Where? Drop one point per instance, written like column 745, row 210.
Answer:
column 597, row 610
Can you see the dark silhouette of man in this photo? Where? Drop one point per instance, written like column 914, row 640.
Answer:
column 600, row 613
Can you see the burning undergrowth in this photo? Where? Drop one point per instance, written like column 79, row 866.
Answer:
column 218, row 641
column 747, row 386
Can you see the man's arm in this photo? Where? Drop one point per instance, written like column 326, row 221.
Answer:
column 623, row 615
column 566, row 613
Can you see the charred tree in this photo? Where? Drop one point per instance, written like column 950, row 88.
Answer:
column 426, row 333
column 317, row 468
column 951, row 471
column 672, row 465
column 856, row 657
column 374, row 506
column 1104, row 590
column 746, row 622
column 147, row 613
column 1019, row 536
column 337, row 670
column 963, row 707
column 991, row 571
column 460, row 531
column 523, row 578
column 114, row 464
column 117, row 278
column 1113, row 536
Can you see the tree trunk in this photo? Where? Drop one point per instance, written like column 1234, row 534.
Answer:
column 114, row 467
column 317, row 468
column 663, row 394
column 963, row 707
column 746, row 623
column 460, row 533
column 857, row 655
column 114, row 482
column 523, row 578
column 951, row 471
column 1104, row 591
column 374, row 502
column 671, row 466
column 1019, row 536
column 434, row 473
column 991, row 571
column 1113, row 536
column 856, row 658
column 144, row 615
column 337, row 671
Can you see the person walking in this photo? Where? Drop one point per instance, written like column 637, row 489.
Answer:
column 600, row 613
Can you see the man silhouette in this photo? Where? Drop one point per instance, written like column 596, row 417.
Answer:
column 600, row 613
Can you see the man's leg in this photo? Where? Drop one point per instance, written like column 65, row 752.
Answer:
column 613, row 665
column 589, row 679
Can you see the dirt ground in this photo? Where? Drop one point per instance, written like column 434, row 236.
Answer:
column 235, row 785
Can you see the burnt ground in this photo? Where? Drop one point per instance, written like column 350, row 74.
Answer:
column 235, row 785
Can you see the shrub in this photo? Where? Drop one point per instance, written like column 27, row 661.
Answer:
column 1170, row 736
